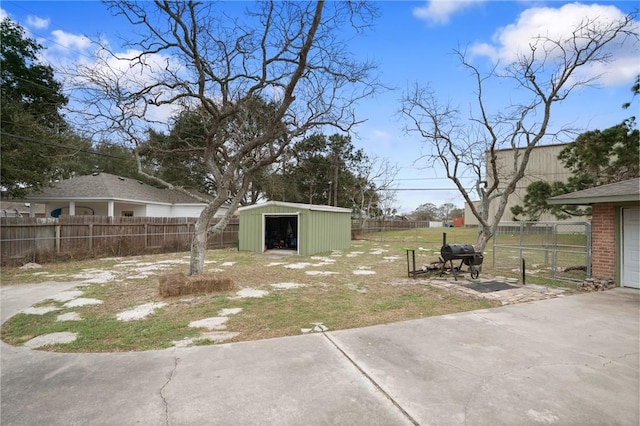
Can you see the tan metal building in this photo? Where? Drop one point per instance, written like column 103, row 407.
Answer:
column 543, row 166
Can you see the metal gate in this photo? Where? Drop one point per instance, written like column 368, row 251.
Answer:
column 557, row 250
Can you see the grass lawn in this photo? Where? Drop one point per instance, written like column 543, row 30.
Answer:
column 364, row 285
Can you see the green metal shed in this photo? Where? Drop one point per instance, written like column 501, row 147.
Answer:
column 304, row 228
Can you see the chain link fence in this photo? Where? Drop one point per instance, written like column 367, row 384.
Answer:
column 557, row 250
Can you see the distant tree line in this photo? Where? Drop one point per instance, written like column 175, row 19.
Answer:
column 445, row 212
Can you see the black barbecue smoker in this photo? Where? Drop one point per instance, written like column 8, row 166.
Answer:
column 465, row 253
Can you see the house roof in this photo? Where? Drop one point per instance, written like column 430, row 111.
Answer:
column 619, row 192
column 20, row 207
column 537, row 147
column 300, row 206
column 105, row 186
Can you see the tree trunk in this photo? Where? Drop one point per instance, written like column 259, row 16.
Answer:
column 483, row 238
column 200, row 237
column 198, row 248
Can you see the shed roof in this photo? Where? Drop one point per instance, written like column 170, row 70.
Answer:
column 300, row 206
column 625, row 191
column 105, row 186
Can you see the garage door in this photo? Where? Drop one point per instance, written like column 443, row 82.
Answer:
column 631, row 247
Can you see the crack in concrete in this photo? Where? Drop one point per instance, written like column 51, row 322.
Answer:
column 164, row 399
column 472, row 396
column 611, row 360
column 371, row 380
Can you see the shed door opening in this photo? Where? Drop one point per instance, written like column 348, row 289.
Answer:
column 281, row 232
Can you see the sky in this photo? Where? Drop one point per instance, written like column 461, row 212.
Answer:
column 412, row 42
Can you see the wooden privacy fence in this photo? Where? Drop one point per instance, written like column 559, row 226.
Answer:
column 38, row 239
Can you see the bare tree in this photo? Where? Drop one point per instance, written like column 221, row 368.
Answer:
column 545, row 75
column 375, row 187
column 285, row 58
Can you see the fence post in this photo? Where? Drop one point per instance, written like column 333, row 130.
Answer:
column 521, row 237
column 546, row 246
column 56, row 234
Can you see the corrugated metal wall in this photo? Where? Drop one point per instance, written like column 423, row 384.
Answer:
column 326, row 231
column 543, row 166
column 319, row 231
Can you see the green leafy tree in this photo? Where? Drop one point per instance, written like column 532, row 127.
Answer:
column 30, row 102
column 456, row 212
column 535, row 202
column 601, row 157
column 309, row 175
column 322, row 170
column 426, row 211
column 177, row 156
column 444, row 211
column 594, row 158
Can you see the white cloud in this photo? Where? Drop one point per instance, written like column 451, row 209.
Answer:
column 3, row 14
column 556, row 24
column 133, row 77
column 439, row 11
column 381, row 137
column 69, row 41
column 37, row 22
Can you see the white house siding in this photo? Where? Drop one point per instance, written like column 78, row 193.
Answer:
column 137, row 209
column 181, row 210
column 99, row 209
column 158, row 210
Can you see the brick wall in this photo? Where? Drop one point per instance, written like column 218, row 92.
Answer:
column 603, row 241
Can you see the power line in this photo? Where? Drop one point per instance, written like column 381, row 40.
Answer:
column 69, row 147
column 438, row 189
column 426, row 178
column 424, row 189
